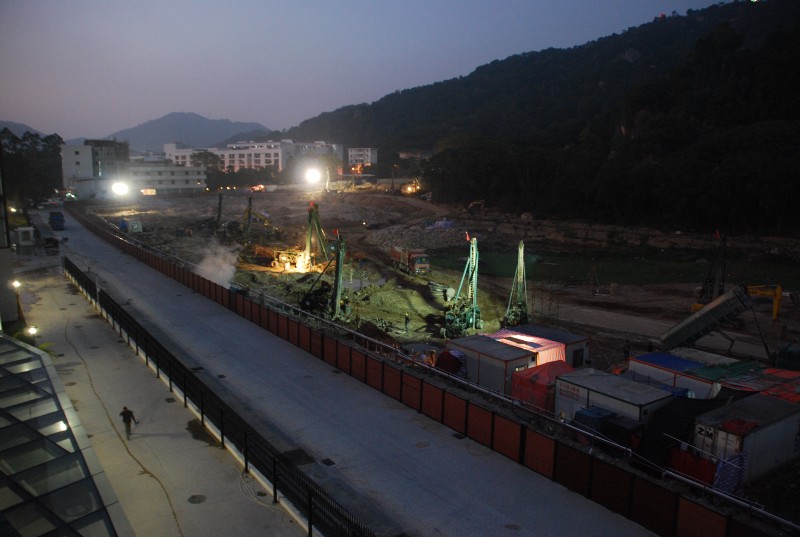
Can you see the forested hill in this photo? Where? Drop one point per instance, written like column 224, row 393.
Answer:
column 686, row 121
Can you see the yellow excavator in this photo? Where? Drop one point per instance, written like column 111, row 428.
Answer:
column 410, row 188
column 773, row 291
column 251, row 216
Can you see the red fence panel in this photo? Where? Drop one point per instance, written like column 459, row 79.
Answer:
column 292, row 330
column 273, row 321
column 654, row 507
column 252, row 311
column 455, row 413
column 432, row 401
column 263, row 317
column 392, row 382
column 283, row 326
column 737, row 528
column 507, row 437
column 343, row 357
column 573, row 469
column 329, row 354
column 611, row 487
column 239, row 306
column 358, row 365
column 412, row 391
column 304, row 338
column 540, row 451
column 695, row 520
column 479, row 424
column 375, row 373
column 317, row 346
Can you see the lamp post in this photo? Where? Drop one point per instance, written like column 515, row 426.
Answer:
column 16, row 285
column 31, row 331
column 314, row 176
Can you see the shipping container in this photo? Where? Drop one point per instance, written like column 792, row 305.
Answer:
column 545, row 349
column 576, row 347
column 588, row 387
column 671, row 370
column 490, row 363
column 766, row 430
column 702, row 357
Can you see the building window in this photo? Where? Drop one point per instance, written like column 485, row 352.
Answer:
column 77, row 163
column 77, row 152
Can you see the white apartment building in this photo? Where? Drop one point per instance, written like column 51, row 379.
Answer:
column 254, row 155
column 164, row 177
column 100, row 159
column 91, row 169
column 145, row 179
column 365, row 156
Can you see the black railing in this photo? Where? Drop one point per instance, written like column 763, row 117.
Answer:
column 311, row 501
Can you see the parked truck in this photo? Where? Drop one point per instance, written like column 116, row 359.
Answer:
column 56, row 221
column 412, row 261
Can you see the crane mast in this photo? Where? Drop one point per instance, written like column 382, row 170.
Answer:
column 517, row 311
column 465, row 312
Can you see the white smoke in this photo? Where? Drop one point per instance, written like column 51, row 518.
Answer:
column 219, row 264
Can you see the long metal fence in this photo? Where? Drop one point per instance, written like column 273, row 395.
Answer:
column 234, row 432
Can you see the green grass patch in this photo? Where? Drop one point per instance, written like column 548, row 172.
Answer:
column 635, row 268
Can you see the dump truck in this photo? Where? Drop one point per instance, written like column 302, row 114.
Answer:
column 412, row 261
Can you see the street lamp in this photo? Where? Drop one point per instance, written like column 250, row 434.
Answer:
column 16, row 285
column 119, row 188
column 31, row 331
column 314, row 176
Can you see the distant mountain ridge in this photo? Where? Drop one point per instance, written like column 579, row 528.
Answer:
column 19, row 129
column 186, row 127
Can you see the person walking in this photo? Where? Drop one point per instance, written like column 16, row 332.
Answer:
column 127, row 418
column 408, row 320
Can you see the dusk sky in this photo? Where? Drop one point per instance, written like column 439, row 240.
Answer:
column 89, row 68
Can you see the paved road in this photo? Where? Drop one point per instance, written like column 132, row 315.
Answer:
column 392, row 467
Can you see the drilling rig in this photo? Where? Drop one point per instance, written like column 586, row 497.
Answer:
column 465, row 313
column 517, row 311
column 327, row 298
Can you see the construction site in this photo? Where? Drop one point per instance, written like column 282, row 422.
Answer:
column 631, row 335
column 405, row 270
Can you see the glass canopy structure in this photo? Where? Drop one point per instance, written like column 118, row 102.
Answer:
column 51, row 482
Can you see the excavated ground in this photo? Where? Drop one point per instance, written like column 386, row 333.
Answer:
column 208, row 231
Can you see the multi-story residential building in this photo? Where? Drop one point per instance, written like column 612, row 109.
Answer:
column 90, row 170
column 95, row 159
column 254, row 155
column 163, row 177
column 415, row 154
column 362, row 156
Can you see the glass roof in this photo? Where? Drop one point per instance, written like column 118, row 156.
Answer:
column 46, row 486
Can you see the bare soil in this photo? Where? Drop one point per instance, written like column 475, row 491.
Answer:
column 209, row 231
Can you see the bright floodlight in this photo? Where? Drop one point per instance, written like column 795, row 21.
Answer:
column 120, row 189
column 313, row 176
